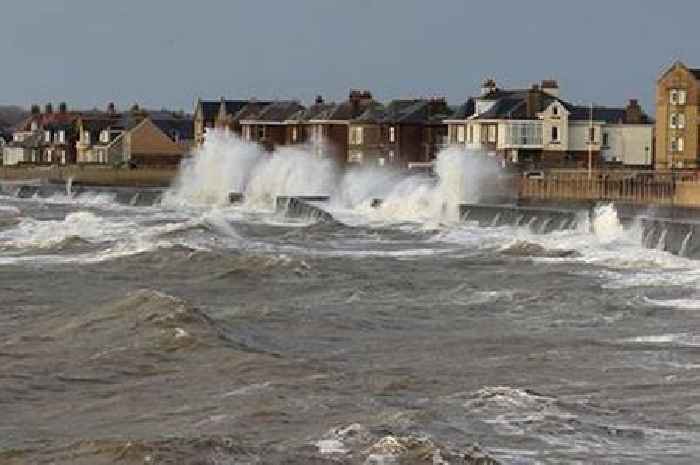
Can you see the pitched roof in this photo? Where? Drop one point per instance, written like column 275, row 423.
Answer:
column 313, row 112
column 464, row 111
column 278, row 111
column 210, row 108
column 695, row 72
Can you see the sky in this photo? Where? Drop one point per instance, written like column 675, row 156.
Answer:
column 167, row 53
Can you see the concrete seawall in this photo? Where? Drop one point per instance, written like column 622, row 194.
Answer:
column 142, row 196
column 304, row 207
column 675, row 230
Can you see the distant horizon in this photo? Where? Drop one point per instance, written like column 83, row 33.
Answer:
column 79, row 52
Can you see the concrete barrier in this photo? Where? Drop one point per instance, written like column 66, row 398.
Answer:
column 144, row 196
column 671, row 229
column 538, row 220
column 304, row 207
column 235, row 197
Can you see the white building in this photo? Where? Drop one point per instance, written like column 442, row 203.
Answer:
column 535, row 127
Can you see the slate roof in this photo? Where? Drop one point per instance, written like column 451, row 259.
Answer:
column 406, row 111
column 464, row 111
column 278, row 111
column 610, row 115
column 695, row 72
column 210, row 108
column 315, row 111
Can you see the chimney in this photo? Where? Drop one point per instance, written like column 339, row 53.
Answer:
column 359, row 99
column 437, row 105
column 62, row 107
column 488, row 86
column 36, row 109
column 319, row 100
column 534, row 101
column 111, row 108
column 48, row 109
column 634, row 113
column 135, row 108
column 550, row 87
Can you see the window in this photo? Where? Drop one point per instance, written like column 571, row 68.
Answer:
column 591, row 135
column 356, row 136
column 677, row 144
column 555, row 134
column 674, row 121
column 86, row 137
column 260, row 132
column 471, row 134
column 62, row 136
column 392, row 155
column 104, row 136
column 678, row 96
column 681, row 121
column 175, row 135
column 47, row 136
column 492, row 133
column 460, row 134
column 392, row 134
column 555, row 110
column 295, row 134
column 246, row 132
column 606, row 139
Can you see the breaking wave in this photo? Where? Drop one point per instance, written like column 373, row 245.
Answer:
column 225, row 164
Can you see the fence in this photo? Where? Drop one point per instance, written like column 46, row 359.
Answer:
column 641, row 188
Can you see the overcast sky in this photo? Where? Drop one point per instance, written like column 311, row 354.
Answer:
column 169, row 52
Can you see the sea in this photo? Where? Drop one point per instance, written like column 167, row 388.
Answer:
column 194, row 331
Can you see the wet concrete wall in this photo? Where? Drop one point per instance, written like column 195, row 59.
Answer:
column 144, row 196
column 667, row 228
column 304, row 207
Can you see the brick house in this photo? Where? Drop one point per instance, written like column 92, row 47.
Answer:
column 330, row 133
column 677, row 118
column 269, row 125
column 300, row 130
column 535, row 128
column 399, row 133
column 223, row 114
column 138, row 138
column 46, row 137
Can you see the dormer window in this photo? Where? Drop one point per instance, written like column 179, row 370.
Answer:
column 175, row 135
column 555, row 110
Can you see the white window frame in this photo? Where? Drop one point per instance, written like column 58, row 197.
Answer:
column 295, row 134
column 62, row 136
column 460, row 134
column 552, row 134
column 47, row 136
column 392, row 134
column 682, row 96
column 681, row 121
column 673, row 97
column 491, row 133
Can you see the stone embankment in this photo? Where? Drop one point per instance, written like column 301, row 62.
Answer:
column 92, row 175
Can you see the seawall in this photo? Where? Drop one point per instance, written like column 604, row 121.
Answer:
column 672, row 229
column 137, row 196
column 92, row 175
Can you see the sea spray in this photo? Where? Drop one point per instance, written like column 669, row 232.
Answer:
column 226, row 164
column 223, row 164
column 606, row 224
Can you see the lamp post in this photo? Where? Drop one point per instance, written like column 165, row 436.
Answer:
column 590, row 144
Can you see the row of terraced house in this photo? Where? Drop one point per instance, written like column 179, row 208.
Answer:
column 136, row 137
column 535, row 127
